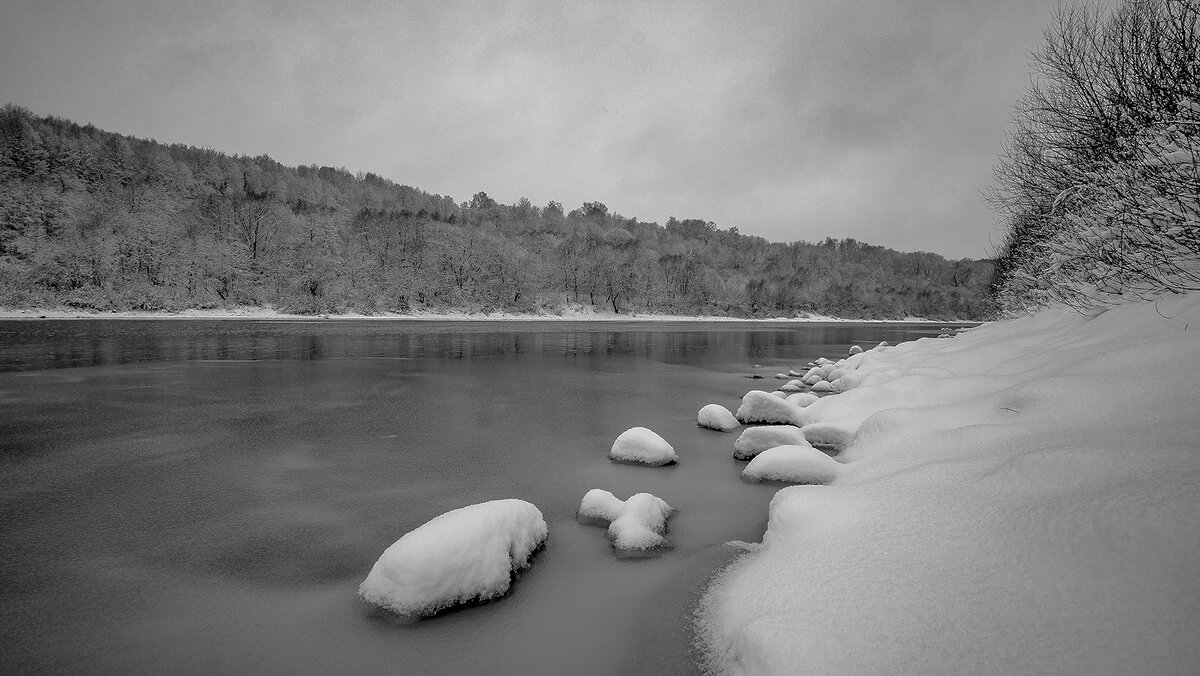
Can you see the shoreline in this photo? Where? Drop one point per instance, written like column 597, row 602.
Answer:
column 268, row 314
column 995, row 483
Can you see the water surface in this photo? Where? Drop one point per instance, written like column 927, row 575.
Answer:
column 203, row 497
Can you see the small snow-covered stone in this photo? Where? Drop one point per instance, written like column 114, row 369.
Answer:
column 802, row 399
column 636, row 524
column 642, row 446
column 792, row 386
column 822, row 386
column 464, row 555
column 800, row 464
column 716, row 417
column 763, row 407
column 780, row 393
column 854, row 349
column 755, row 440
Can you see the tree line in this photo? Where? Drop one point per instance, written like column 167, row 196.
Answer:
column 1099, row 181
column 92, row 219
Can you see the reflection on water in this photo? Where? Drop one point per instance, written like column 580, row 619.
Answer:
column 204, row 497
column 28, row 345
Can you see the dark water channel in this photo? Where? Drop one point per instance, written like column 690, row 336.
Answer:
column 198, row 497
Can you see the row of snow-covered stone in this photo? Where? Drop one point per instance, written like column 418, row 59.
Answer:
column 471, row 554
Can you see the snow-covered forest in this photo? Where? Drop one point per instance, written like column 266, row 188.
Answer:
column 1099, row 180
column 91, row 219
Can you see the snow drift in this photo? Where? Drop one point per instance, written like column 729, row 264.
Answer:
column 1021, row 498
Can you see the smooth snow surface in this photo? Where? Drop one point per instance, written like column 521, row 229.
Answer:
column 642, row 446
column 463, row 555
column 716, row 417
column 1022, row 499
column 764, row 407
column 636, row 524
column 755, row 440
column 799, row 464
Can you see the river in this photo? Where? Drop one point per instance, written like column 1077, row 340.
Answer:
column 197, row 497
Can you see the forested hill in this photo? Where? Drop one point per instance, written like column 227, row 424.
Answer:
column 94, row 219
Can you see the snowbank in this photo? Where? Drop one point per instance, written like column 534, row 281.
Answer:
column 716, row 417
column 636, row 524
column 795, row 463
column 642, row 446
column 1021, row 498
column 755, row 440
column 464, row 555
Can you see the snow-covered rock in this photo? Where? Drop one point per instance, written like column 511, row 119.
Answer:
column 830, row 435
column 780, row 393
column 802, row 399
column 764, row 407
column 801, row 464
column 642, row 446
column 716, row 417
column 854, row 349
column 792, row 386
column 464, row 555
column 822, row 386
column 755, row 440
column 636, row 524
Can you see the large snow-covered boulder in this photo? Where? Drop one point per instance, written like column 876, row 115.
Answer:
column 636, row 524
column 467, row 554
column 764, row 407
column 801, row 464
column 755, row 440
column 716, row 417
column 644, row 447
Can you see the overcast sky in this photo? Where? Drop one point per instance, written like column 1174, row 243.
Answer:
column 878, row 120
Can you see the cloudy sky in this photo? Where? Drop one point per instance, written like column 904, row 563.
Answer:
column 873, row 119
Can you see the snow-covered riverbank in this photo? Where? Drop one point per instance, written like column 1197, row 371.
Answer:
column 571, row 314
column 1022, row 498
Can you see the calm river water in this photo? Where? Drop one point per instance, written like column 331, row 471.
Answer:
column 199, row 497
